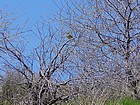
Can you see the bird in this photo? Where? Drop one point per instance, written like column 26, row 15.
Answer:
column 68, row 36
column 41, row 74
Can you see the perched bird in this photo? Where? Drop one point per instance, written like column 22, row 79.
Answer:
column 68, row 36
column 41, row 74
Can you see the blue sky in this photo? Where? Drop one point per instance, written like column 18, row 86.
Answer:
column 29, row 9
column 32, row 10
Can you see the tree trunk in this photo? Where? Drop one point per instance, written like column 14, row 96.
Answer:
column 132, row 81
column 132, row 84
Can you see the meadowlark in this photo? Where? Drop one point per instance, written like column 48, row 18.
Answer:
column 68, row 36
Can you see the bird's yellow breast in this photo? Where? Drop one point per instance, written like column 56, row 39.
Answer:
column 68, row 36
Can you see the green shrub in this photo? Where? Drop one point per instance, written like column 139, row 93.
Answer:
column 123, row 101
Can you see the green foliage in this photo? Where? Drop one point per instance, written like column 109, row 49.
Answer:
column 123, row 101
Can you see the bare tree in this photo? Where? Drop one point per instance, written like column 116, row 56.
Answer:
column 51, row 55
column 107, row 33
column 102, row 56
column 50, row 84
